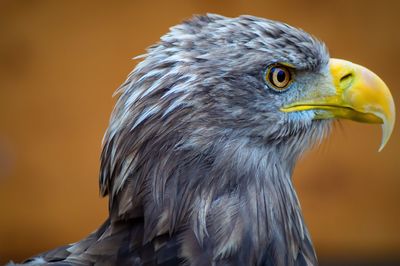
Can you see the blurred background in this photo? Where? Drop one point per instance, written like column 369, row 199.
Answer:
column 60, row 62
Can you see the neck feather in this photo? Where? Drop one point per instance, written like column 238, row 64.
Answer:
column 222, row 198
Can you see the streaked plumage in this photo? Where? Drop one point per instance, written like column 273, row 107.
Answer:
column 197, row 160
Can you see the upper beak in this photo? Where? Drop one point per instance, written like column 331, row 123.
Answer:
column 359, row 95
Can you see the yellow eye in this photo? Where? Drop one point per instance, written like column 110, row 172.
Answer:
column 279, row 77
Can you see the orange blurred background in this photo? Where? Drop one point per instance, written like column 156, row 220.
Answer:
column 60, row 62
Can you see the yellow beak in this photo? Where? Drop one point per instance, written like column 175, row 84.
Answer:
column 359, row 95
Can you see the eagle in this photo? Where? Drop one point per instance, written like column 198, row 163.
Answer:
column 198, row 157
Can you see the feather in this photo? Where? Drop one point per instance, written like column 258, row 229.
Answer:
column 197, row 159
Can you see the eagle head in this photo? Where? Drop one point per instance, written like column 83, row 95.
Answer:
column 208, row 127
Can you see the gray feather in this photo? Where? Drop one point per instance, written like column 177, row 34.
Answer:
column 197, row 159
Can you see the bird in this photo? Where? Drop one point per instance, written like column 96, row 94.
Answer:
column 198, row 157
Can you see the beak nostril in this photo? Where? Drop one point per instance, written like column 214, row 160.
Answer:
column 348, row 75
column 346, row 80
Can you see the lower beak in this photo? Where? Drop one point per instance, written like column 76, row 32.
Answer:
column 360, row 96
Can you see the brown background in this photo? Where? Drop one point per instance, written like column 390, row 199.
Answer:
column 60, row 62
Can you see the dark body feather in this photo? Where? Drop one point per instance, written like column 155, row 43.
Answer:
column 197, row 160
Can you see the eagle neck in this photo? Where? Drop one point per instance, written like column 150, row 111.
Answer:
column 251, row 206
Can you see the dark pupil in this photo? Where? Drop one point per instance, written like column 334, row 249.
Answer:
column 281, row 75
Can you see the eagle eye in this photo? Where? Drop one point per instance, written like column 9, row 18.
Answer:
column 278, row 76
